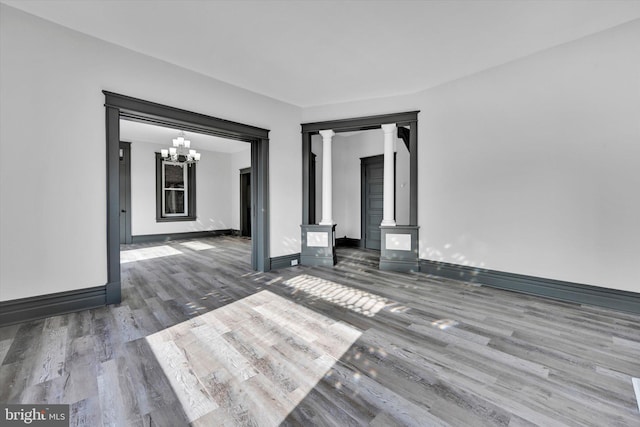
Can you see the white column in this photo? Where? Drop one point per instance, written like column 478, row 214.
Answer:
column 389, row 173
column 327, row 193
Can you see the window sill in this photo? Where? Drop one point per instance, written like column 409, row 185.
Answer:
column 176, row 219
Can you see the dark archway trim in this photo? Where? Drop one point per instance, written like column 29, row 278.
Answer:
column 409, row 119
column 121, row 106
column 362, row 123
column 151, row 112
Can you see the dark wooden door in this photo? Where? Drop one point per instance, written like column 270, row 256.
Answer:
column 372, row 203
column 125, row 193
column 245, row 202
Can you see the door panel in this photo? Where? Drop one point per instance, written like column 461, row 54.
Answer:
column 373, row 200
column 125, row 193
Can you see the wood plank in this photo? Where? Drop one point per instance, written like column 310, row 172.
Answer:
column 50, row 359
column 195, row 400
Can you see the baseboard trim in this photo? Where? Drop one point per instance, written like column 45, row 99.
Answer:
column 347, row 242
column 38, row 307
column 549, row 288
column 403, row 266
column 284, row 261
column 153, row 238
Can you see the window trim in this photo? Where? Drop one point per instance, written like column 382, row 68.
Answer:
column 190, row 194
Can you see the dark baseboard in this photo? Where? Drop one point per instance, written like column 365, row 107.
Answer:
column 404, row 266
column 113, row 293
column 151, row 238
column 284, row 261
column 38, row 307
column 556, row 289
column 347, row 242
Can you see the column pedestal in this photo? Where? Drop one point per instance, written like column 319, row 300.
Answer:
column 318, row 245
column 399, row 248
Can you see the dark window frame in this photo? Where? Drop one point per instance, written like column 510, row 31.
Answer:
column 191, row 194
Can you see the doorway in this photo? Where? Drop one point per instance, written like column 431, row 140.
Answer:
column 372, row 174
column 372, row 199
column 408, row 120
column 125, row 192
column 125, row 107
column 245, row 202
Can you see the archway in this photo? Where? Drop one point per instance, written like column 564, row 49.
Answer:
column 400, row 251
column 121, row 106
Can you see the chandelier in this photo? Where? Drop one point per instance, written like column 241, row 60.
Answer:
column 181, row 151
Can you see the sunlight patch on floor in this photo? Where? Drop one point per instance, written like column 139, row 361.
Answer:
column 197, row 246
column 444, row 323
column 354, row 299
column 250, row 362
column 147, row 253
column 636, row 389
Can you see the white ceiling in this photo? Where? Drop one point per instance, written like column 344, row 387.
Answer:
column 142, row 132
column 320, row 52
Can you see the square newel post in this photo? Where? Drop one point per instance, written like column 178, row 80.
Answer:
column 399, row 248
column 318, row 245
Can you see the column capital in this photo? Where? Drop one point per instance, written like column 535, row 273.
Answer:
column 388, row 128
column 328, row 133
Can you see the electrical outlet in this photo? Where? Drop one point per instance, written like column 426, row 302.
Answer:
column 294, row 262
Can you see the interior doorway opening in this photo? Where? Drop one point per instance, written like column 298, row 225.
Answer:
column 125, row 192
column 245, row 202
column 123, row 107
column 164, row 199
column 388, row 134
column 372, row 177
column 358, row 176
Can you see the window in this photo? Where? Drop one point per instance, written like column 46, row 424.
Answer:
column 175, row 191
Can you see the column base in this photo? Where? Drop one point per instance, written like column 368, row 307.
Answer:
column 318, row 245
column 399, row 248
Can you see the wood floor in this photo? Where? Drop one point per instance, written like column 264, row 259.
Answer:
column 201, row 339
